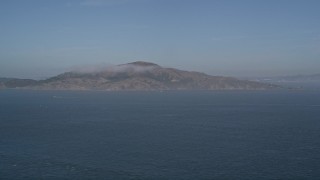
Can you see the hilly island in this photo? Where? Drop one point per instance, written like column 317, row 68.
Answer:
column 135, row 76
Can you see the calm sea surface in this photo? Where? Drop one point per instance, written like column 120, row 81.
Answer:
column 159, row 135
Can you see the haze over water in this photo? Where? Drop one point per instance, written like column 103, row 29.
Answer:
column 160, row 134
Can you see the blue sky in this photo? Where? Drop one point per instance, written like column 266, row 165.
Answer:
column 41, row 38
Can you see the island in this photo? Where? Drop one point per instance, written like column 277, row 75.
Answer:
column 136, row 76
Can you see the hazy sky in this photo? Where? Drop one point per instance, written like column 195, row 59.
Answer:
column 40, row 38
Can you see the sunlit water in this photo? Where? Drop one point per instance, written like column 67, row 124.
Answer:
column 159, row 135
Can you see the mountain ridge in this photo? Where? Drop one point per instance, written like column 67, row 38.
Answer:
column 142, row 75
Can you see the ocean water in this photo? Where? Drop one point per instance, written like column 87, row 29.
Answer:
column 159, row 135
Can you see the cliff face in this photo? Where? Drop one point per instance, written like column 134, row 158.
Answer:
column 145, row 76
